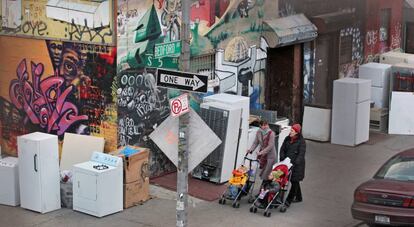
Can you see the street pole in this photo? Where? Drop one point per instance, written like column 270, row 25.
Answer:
column 182, row 168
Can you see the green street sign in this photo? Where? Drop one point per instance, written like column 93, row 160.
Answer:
column 167, row 49
column 166, row 63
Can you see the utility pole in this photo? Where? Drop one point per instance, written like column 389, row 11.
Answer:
column 184, row 120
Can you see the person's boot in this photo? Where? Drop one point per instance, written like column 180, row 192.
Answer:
column 297, row 200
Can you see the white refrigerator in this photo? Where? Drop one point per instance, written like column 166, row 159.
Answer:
column 39, row 172
column 243, row 103
column 350, row 111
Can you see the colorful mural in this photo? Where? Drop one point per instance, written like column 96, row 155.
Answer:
column 56, row 87
column 231, row 27
column 73, row 20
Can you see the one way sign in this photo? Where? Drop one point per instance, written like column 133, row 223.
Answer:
column 182, row 80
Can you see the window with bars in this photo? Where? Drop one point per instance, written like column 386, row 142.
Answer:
column 204, row 64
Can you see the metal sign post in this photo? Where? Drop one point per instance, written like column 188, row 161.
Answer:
column 184, row 119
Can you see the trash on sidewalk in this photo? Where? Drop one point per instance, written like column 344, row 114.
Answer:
column 136, row 174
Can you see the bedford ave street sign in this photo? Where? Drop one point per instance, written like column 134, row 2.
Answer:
column 182, row 80
column 167, row 49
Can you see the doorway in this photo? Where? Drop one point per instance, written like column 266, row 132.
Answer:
column 326, row 68
column 284, row 82
column 410, row 38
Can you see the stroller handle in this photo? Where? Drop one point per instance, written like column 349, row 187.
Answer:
column 250, row 159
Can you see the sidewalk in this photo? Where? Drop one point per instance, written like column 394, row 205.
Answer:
column 332, row 174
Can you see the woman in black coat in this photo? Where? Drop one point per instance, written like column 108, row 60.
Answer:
column 294, row 147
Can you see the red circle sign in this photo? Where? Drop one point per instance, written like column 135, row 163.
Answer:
column 176, row 106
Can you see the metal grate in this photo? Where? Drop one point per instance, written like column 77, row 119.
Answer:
column 203, row 64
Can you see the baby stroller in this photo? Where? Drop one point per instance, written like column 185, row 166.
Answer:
column 268, row 199
column 241, row 183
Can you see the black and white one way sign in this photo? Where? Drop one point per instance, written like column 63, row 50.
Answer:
column 182, row 80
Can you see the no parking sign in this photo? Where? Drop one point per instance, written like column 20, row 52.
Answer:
column 179, row 105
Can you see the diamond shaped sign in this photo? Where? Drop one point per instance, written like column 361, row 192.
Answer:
column 202, row 140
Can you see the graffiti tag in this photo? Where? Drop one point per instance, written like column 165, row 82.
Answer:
column 79, row 32
column 34, row 28
column 42, row 101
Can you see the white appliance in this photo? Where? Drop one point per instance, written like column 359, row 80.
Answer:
column 224, row 120
column 316, row 123
column 350, row 111
column 39, row 172
column 401, row 114
column 243, row 103
column 379, row 74
column 9, row 178
column 393, row 58
column 98, row 185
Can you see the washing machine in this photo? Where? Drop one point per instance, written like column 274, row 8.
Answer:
column 98, row 185
column 9, row 181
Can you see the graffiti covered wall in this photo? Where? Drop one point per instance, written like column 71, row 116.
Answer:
column 383, row 28
column 56, row 87
column 74, row 20
column 350, row 69
column 229, row 27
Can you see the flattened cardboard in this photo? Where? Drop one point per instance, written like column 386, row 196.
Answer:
column 79, row 148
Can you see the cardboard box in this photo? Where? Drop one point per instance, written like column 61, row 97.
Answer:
column 134, row 164
column 136, row 192
column 136, row 176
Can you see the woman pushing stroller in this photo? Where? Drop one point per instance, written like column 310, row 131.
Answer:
column 265, row 137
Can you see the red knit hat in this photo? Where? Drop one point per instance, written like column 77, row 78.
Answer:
column 297, row 128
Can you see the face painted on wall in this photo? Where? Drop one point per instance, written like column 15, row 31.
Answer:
column 69, row 68
column 55, row 51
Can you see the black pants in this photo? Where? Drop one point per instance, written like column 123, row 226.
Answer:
column 295, row 192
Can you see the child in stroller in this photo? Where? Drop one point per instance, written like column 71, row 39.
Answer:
column 273, row 190
column 241, row 183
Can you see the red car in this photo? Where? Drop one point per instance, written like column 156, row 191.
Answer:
column 388, row 198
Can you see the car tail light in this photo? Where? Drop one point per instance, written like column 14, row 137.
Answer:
column 361, row 196
column 412, row 203
column 406, row 202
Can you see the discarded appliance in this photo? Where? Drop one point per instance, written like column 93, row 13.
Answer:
column 39, row 172
column 350, row 111
column 9, row 178
column 243, row 103
column 97, row 185
column 224, row 120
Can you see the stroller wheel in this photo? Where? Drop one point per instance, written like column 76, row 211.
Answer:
column 220, row 201
column 255, row 210
column 224, row 201
column 251, row 209
column 237, row 205
column 282, row 209
column 268, row 214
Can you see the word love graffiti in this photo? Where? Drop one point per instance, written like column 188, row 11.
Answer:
column 42, row 101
